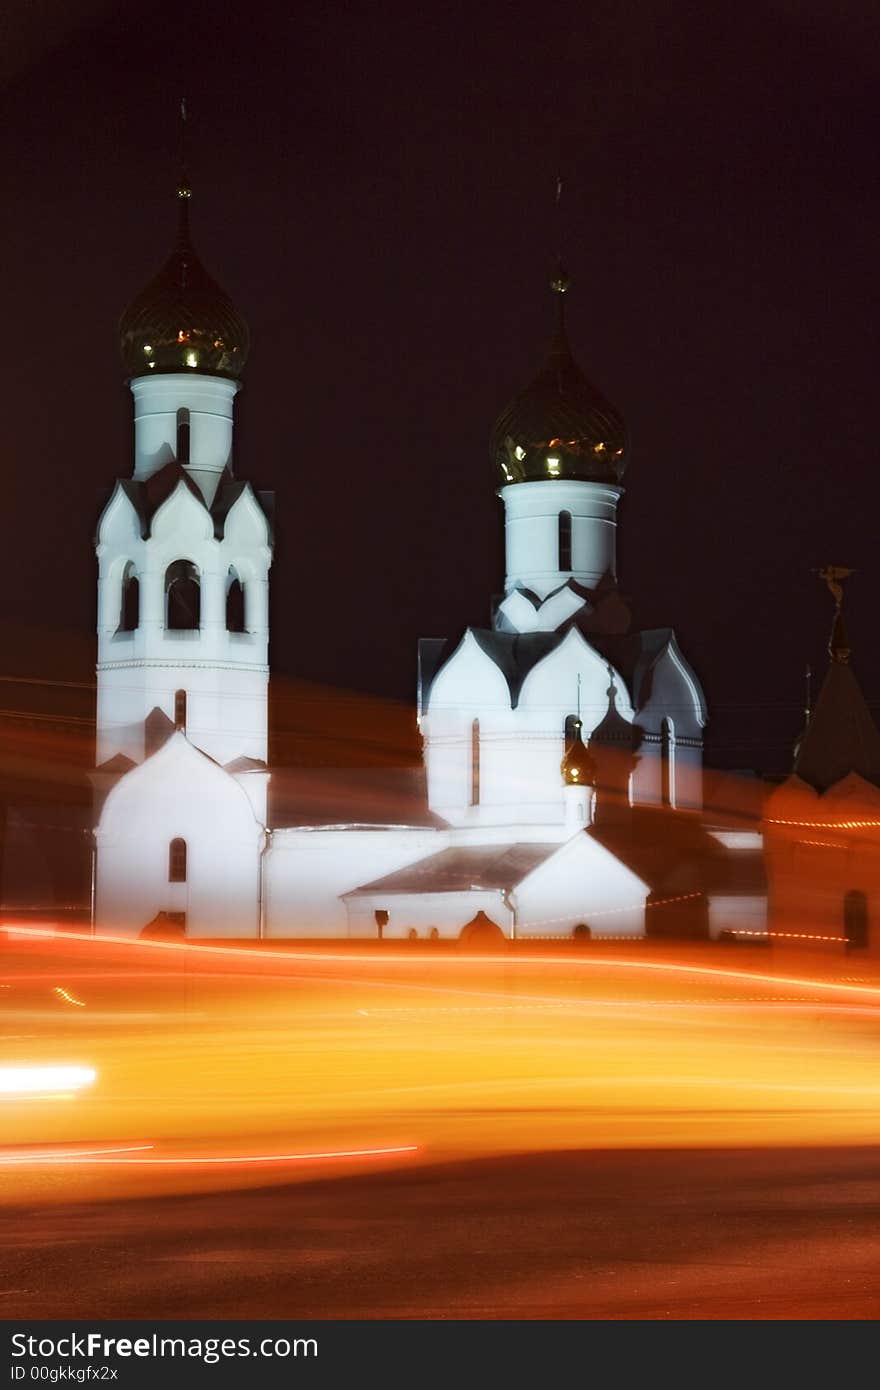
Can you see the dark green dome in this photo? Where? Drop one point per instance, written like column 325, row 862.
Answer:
column 559, row 426
column 183, row 321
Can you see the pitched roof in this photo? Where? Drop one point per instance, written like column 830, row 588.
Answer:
column 147, row 495
column 674, row 854
column 482, row 867
column 841, row 736
column 633, row 655
column 375, row 796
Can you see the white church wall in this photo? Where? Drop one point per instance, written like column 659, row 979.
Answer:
column 581, row 883
column 531, row 514
column 743, row 914
column 551, row 687
column 677, row 699
column 306, row 872
column 178, row 793
column 208, row 399
column 225, row 674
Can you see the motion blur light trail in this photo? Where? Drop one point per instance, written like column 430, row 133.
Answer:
column 24, row 1158
column 25, row 1080
column 292, row 1064
column 595, row 961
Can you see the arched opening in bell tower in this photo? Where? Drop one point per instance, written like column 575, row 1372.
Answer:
column 234, row 603
column 130, row 600
column 183, row 600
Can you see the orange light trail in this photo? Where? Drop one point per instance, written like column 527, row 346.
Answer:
column 121, row 1155
column 568, row 962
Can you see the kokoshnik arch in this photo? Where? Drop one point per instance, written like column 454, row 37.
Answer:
column 561, row 745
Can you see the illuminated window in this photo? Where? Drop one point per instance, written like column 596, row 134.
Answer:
column 180, row 709
column 234, row 604
column 565, row 540
column 475, row 763
column 520, row 453
column 130, row 604
column 192, row 359
column 182, row 597
column 553, row 467
column 177, row 861
column 183, row 435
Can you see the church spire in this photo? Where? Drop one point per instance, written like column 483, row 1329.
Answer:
column 184, row 186
column 841, row 736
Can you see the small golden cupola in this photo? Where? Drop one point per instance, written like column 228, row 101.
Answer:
column 578, row 766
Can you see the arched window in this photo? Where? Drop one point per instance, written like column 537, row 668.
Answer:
column 183, row 435
column 667, row 768
column 177, row 861
column 855, row 920
column 180, row 709
column 475, row 763
column 234, row 604
column 565, row 540
column 130, row 604
column 182, row 596
column 572, row 724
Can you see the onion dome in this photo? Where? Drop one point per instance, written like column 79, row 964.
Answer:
column 577, row 767
column 183, row 321
column 560, row 426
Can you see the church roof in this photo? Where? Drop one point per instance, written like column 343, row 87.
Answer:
column 560, row 426
column 486, row 868
column 368, row 796
column 674, row 854
column 183, row 321
column 841, row 736
column 147, row 495
column 633, row 655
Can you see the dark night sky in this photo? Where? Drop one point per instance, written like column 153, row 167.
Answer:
column 374, row 187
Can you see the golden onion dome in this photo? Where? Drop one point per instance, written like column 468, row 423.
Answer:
column 559, row 426
column 183, row 321
column 578, row 767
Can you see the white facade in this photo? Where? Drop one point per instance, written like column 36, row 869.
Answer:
column 165, row 526
column 532, row 513
column 182, row 716
column 179, row 796
column 204, row 404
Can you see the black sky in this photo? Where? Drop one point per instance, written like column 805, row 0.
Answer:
column 374, row 187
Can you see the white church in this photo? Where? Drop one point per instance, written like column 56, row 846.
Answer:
column 562, row 749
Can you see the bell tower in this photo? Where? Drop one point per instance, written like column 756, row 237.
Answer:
column 184, row 547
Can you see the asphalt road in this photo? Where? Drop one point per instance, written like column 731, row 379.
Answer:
column 630, row 1234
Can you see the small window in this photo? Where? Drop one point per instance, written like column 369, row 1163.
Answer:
column 177, row 861
column 565, row 540
column 183, row 435
column 572, row 728
column 180, row 709
column 475, row 763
